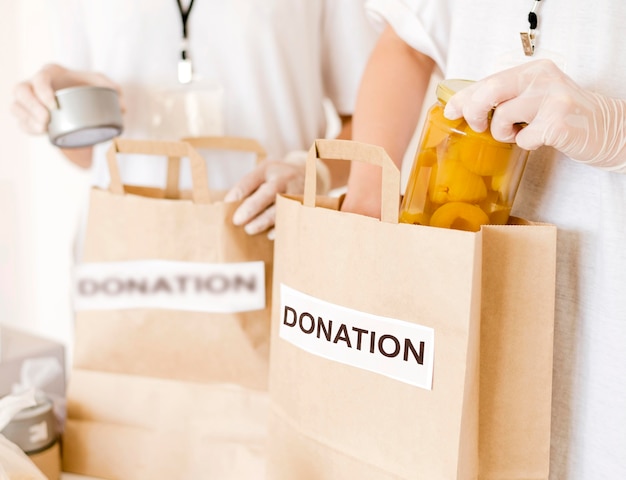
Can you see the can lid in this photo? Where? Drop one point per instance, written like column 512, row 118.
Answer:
column 447, row 88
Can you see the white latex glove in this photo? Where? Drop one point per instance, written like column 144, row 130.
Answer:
column 259, row 189
column 34, row 98
column 586, row 126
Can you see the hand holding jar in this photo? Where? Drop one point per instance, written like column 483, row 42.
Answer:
column 584, row 125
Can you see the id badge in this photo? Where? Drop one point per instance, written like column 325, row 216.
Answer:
column 193, row 109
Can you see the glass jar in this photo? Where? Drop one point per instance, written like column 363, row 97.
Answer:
column 460, row 178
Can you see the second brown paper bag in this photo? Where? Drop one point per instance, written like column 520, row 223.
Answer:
column 170, row 368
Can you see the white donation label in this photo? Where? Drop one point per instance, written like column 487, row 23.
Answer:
column 395, row 348
column 189, row 286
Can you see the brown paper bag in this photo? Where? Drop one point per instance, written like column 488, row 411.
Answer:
column 173, row 308
column 164, row 429
column 407, row 352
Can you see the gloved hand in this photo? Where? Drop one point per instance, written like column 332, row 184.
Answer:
column 33, row 98
column 259, row 189
column 537, row 104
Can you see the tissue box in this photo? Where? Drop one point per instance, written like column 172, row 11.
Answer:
column 17, row 347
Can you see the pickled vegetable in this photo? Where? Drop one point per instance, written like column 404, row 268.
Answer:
column 459, row 215
column 415, row 218
column 455, row 183
column 480, row 154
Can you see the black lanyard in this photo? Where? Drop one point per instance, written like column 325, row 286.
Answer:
column 184, row 64
column 528, row 38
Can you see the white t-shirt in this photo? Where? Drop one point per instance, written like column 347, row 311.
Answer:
column 275, row 60
column 471, row 39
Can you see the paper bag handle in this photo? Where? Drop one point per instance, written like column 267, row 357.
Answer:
column 200, row 183
column 360, row 152
column 237, row 144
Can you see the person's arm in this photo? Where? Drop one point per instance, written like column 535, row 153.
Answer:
column 34, row 98
column 388, row 107
column 81, row 157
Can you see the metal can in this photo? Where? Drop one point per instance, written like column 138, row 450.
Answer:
column 460, row 178
column 35, row 431
column 86, row 115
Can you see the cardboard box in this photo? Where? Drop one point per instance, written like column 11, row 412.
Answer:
column 16, row 347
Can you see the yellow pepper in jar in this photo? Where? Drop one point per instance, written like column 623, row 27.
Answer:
column 452, row 182
column 459, row 215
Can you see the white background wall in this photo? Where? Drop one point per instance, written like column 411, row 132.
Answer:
column 39, row 191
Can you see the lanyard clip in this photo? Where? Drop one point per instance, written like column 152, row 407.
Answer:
column 528, row 42
column 185, row 70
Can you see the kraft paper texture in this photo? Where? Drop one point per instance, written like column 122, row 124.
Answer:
column 489, row 296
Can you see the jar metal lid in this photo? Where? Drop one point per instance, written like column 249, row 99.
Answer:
column 86, row 115
column 447, row 88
